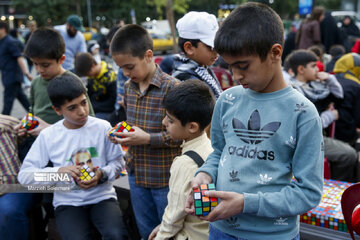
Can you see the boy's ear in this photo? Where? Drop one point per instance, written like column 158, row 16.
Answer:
column 276, row 52
column 193, row 127
column 188, row 48
column 62, row 59
column 57, row 110
column 149, row 55
column 300, row 69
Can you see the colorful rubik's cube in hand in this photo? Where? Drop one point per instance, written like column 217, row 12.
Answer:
column 86, row 173
column 121, row 127
column 203, row 204
column 29, row 122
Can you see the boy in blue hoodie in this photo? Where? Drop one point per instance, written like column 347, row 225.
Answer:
column 263, row 133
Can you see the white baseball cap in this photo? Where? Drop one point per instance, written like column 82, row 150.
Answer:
column 198, row 25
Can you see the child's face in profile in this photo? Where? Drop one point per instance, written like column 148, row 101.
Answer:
column 203, row 54
column 75, row 112
column 173, row 127
column 135, row 68
column 310, row 71
column 252, row 73
column 48, row 68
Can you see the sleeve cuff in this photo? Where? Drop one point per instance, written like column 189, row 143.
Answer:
column 251, row 203
column 156, row 139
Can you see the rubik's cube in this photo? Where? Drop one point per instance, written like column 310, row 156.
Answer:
column 29, row 122
column 203, row 204
column 86, row 173
column 121, row 127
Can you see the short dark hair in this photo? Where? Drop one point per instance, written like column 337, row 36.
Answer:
column 4, row 25
column 250, row 29
column 131, row 39
column 182, row 41
column 337, row 50
column 190, row 101
column 46, row 43
column 300, row 58
column 63, row 88
column 111, row 33
column 317, row 50
column 83, row 63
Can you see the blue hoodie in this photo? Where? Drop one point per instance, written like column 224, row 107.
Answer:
column 261, row 141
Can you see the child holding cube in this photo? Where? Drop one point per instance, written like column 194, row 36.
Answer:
column 189, row 107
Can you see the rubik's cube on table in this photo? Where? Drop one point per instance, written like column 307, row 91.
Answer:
column 29, row 122
column 86, row 173
column 121, row 127
column 203, row 204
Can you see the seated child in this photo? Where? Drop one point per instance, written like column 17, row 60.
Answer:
column 101, row 84
column 196, row 40
column 342, row 157
column 78, row 137
column 189, row 107
column 336, row 52
column 319, row 87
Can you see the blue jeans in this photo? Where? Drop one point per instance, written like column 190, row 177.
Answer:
column 14, row 223
column 77, row 222
column 215, row 234
column 148, row 205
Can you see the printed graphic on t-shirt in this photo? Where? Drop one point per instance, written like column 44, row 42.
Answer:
column 301, row 107
column 291, row 142
column 234, row 176
column 254, row 133
column 281, row 221
column 232, row 222
column 82, row 156
column 264, row 179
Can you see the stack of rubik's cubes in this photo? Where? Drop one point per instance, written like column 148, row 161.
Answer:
column 203, row 205
column 86, row 173
column 121, row 127
column 328, row 213
column 29, row 122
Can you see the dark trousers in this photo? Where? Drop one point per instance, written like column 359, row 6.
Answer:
column 77, row 222
column 11, row 92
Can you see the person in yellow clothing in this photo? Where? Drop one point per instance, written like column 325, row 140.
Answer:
column 101, row 83
column 189, row 108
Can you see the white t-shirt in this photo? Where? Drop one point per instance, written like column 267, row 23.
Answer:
column 63, row 147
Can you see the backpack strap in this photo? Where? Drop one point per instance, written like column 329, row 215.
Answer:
column 195, row 156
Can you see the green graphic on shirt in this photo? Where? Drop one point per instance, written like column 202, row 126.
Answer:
column 83, row 155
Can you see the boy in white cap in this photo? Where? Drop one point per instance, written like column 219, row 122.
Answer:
column 196, row 39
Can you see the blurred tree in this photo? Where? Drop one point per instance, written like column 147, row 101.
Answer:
column 46, row 12
column 330, row 4
column 178, row 6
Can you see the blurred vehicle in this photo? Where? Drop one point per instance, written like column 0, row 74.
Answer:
column 90, row 34
column 340, row 15
column 161, row 42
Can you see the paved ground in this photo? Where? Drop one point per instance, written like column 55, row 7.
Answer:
column 17, row 111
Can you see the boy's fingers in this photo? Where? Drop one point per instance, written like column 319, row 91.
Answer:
column 217, row 194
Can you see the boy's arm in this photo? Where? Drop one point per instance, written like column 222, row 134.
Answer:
column 218, row 143
column 333, row 84
column 35, row 162
column 308, row 167
column 179, row 186
column 114, row 160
